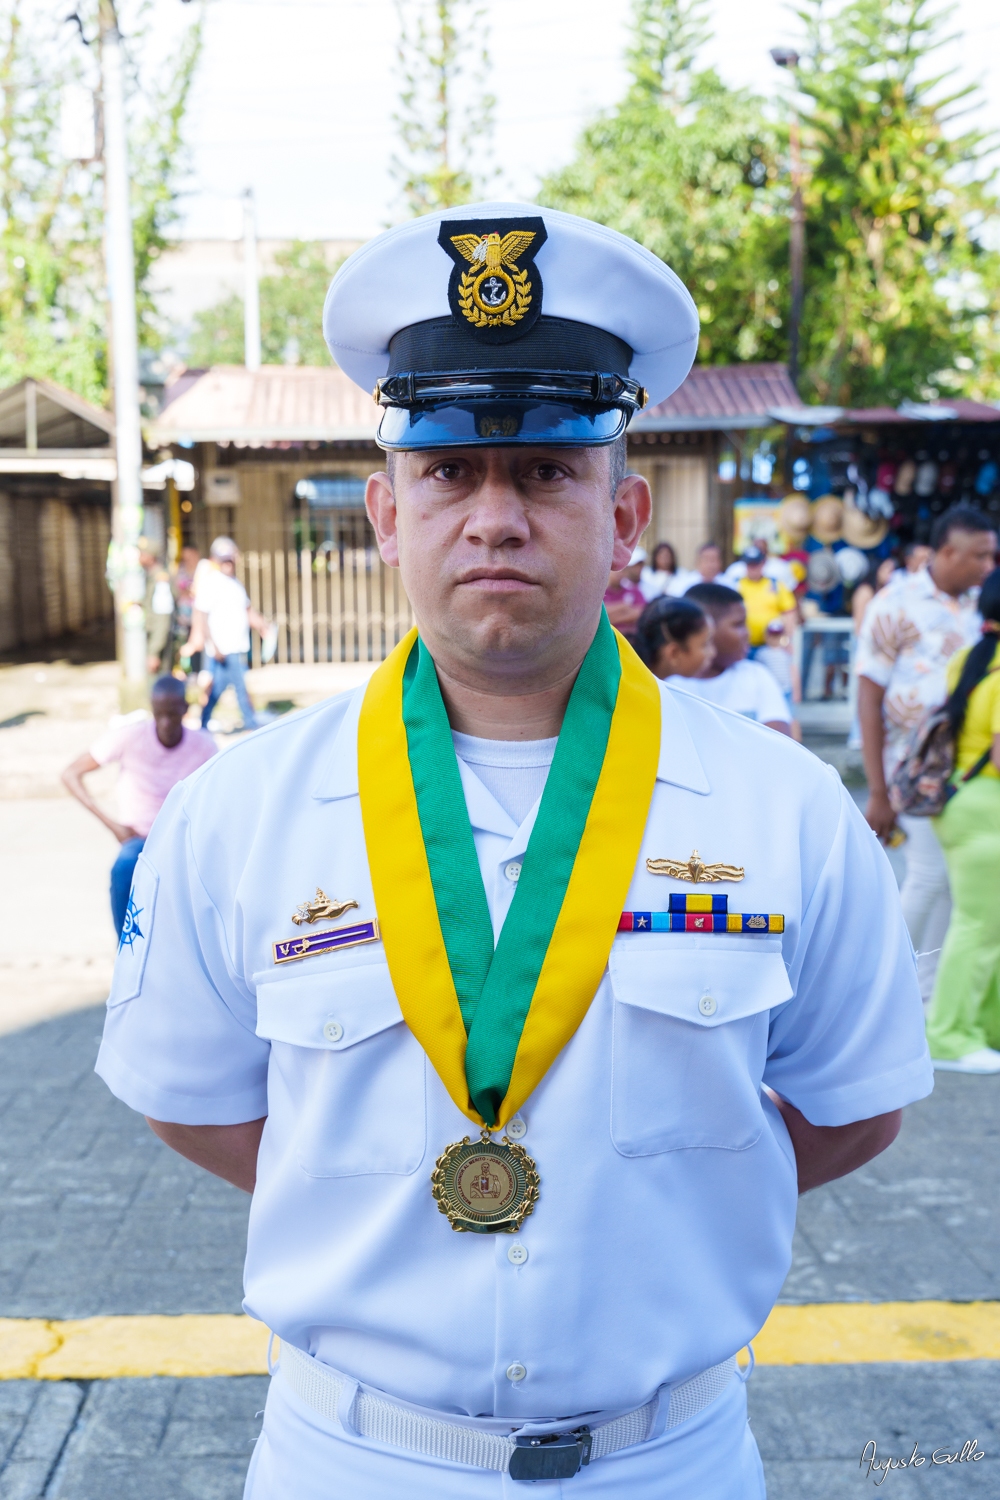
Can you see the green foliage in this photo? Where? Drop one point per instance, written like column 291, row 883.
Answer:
column 291, row 310
column 685, row 166
column 52, row 296
column 445, row 115
column 902, row 298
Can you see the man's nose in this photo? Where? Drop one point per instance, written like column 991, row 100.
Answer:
column 497, row 517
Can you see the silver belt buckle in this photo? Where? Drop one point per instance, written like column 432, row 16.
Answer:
column 551, row 1455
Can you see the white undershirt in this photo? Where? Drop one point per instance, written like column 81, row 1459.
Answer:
column 512, row 771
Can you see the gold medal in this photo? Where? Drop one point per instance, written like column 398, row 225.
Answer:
column 484, row 1186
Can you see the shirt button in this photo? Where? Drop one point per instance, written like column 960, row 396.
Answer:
column 516, row 1129
column 513, row 871
column 333, row 1031
column 707, row 1005
column 516, row 1371
column 517, row 1255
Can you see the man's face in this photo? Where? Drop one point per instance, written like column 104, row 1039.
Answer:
column 505, row 552
column 755, row 570
column 964, row 560
column 710, row 563
column 168, row 716
column 732, row 639
column 147, row 560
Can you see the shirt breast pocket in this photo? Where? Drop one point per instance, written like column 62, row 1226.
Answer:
column 690, row 1043
column 346, row 1071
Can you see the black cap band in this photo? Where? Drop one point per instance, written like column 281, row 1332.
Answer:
column 441, row 345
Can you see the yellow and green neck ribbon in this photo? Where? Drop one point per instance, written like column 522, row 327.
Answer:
column 492, row 1021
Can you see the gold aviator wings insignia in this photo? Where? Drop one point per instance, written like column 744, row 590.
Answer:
column 694, row 870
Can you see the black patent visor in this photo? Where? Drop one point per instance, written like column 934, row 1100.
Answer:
column 507, row 423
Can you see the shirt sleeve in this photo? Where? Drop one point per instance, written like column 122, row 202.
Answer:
column 879, row 641
column 110, row 745
column 179, row 1038
column 850, row 1045
column 786, row 600
column 770, row 703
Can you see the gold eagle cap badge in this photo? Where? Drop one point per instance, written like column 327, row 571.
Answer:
column 321, row 909
column 494, row 283
column 694, row 870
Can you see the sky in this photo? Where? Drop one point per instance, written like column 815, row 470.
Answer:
column 295, row 97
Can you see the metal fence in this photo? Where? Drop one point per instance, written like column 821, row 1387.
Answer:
column 335, row 601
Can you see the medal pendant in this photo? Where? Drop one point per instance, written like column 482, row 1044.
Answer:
column 485, row 1186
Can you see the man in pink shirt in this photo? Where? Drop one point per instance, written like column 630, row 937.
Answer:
column 154, row 754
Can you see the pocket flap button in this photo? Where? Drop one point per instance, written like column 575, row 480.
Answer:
column 333, row 1031
column 707, row 1005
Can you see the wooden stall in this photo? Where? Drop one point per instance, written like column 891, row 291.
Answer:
column 56, row 470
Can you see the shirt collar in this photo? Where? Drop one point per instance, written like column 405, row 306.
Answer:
column 679, row 764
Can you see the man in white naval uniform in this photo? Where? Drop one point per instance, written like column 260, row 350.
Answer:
column 751, row 1027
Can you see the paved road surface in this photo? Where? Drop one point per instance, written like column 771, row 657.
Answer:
column 98, row 1217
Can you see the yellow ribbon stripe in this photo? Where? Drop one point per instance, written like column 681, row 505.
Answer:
column 598, row 886
column 401, row 879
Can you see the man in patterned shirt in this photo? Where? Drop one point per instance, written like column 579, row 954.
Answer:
column 911, row 630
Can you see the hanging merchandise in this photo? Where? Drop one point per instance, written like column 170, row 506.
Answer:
column 947, row 474
column 801, row 474
column 852, row 564
column 905, row 476
column 819, row 483
column 828, row 519
column 880, row 504
column 862, row 530
column 925, row 482
column 824, row 575
column 987, row 477
column 885, row 476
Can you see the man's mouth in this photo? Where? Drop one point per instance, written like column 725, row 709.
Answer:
column 498, row 580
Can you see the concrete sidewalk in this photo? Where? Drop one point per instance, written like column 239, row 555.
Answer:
column 96, row 1217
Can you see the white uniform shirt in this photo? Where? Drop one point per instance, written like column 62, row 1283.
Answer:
column 745, row 688
column 663, row 1229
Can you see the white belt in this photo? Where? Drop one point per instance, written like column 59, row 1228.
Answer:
column 537, row 1450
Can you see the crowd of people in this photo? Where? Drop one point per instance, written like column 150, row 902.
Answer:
column 927, row 621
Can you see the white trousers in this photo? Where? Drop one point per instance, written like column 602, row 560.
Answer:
column 303, row 1456
column 925, row 895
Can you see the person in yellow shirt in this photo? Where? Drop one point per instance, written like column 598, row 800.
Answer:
column 963, row 1024
column 765, row 598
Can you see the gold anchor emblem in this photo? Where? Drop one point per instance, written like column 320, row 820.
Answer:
column 320, row 909
column 494, row 290
column 694, row 870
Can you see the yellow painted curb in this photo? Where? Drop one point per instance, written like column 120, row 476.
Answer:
column 832, row 1333
column 110, row 1348
column 847, row 1333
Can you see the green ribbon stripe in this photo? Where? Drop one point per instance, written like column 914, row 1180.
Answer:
column 495, row 988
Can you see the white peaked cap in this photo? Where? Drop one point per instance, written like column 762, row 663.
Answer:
column 590, row 275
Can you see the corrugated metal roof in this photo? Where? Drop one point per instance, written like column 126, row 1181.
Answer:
column 721, row 396
column 945, row 411
column 275, row 404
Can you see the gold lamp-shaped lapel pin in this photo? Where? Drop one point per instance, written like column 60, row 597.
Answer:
column 321, row 909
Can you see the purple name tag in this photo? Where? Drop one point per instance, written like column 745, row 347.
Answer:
column 309, row 943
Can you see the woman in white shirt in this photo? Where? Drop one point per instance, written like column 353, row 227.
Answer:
column 660, row 573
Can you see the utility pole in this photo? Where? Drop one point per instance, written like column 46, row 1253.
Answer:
column 251, row 288
column 786, row 57
column 129, row 579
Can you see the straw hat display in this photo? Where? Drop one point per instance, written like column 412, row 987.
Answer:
column 794, row 517
column 828, row 519
column 824, row 574
column 864, row 531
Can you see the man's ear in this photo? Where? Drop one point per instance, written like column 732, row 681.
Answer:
column 632, row 512
column 380, row 503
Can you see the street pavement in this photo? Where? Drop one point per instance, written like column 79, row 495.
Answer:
column 97, row 1217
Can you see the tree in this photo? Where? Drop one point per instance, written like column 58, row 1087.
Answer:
column 686, row 166
column 902, row 295
column 291, row 314
column 445, row 116
column 52, row 296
